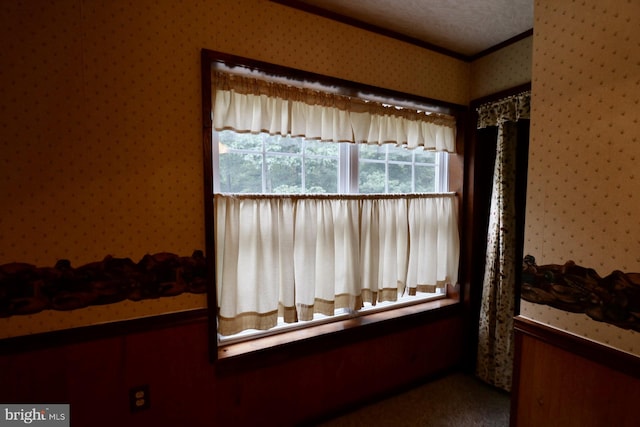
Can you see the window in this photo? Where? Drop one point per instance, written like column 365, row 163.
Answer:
column 391, row 169
column 262, row 163
column 321, row 204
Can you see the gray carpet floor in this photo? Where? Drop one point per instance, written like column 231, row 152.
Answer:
column 457, row 400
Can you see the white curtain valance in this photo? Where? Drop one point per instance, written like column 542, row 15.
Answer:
column 246, row 104
column 509, row 109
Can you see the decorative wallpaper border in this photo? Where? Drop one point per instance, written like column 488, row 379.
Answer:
column 614, row 299
column 26, row 289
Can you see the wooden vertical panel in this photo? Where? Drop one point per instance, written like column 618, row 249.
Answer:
column 174, row 363
column 94, row 375
column 557, row 386
column 35, row 377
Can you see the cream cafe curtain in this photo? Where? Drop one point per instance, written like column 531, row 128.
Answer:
column 294, row 256
column 246, row 104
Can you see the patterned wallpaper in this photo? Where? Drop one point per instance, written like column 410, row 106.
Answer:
column 101, row 137
column 583, row 202
column 506, row 68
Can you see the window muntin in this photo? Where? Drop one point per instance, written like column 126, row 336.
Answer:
column 396, row 170
column 274, row 164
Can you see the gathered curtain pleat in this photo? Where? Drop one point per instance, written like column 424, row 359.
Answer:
column 246, row 104
column 296, row 256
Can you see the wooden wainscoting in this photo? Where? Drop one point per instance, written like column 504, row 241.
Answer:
column 294, row 386
column 561, row 379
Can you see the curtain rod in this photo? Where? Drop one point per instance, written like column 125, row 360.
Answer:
column 336, row 196
column 221, row 61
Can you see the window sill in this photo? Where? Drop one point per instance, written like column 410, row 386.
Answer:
column 263, row 350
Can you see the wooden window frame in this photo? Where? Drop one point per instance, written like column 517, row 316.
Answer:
column 260, row 351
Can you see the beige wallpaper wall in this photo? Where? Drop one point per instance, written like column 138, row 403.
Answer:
column 583, row 202
column 101, row 130
column 506, row 68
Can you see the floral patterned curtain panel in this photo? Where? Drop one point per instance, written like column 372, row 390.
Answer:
column 495, row 342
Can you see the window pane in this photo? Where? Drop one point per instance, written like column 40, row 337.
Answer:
column 321, row 161
column 279, row 144
column 284, row 174
column 399, row 153
column 318, row 148
column 242, row 141
column 295, row 165
column 371, row 178
column 321, row 175
column 373, row 152
column 240, row 173
column 399, row 178
column 423, row 156
column 425, row 179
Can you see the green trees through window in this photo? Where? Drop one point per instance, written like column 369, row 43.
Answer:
column 267, row 164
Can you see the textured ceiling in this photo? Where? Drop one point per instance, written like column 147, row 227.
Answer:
column 465, row 27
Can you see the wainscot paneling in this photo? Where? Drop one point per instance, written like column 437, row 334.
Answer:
column 95, row 375
column 561, row 379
